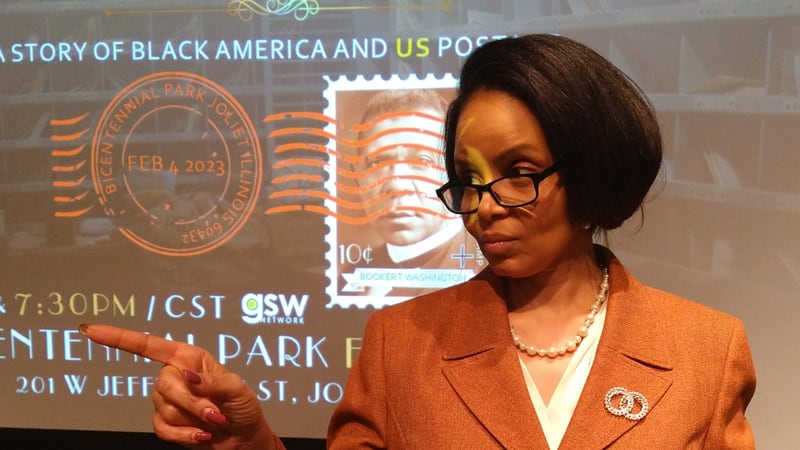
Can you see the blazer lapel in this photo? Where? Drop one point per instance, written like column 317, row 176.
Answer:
column 631, row 354
column 483, row 368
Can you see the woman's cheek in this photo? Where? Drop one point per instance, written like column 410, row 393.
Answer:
column 471, row 224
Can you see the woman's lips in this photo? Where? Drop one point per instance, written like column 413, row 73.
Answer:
column 490, row 238
column 496, row 244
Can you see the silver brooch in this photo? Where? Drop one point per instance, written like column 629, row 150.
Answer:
column 627, row 403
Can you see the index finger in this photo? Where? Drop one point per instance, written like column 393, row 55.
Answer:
column 147, row 345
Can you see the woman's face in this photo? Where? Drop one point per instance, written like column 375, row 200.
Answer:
column 497, row 136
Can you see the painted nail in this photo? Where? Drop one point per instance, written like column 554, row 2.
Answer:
column 191, row 377
column 201, row 436
column 83, row 328
column 216, row 417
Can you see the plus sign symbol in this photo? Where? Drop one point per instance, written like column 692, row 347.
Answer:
column 462, row 256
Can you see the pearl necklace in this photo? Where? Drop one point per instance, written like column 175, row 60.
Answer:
column 572, row 344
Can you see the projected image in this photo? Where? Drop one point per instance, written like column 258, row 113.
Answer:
column 258, row 178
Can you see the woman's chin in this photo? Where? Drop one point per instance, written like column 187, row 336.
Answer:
column 505, row 268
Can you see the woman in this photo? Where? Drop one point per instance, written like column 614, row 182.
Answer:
column 555, row 345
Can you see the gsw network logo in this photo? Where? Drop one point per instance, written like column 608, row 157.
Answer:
column 274, row 308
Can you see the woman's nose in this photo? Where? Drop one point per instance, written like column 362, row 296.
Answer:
column 488, row 206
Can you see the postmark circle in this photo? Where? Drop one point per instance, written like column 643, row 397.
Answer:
column 176, row 163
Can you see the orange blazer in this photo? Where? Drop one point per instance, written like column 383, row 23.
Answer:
column 441, row 372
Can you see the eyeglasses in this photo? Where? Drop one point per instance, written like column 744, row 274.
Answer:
column 511, row 192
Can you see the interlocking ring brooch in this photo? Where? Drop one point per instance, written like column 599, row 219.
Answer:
column 626, row 403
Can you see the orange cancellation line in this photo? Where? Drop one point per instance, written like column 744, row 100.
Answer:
column 350, row 189
column 68, row 137
column 66, row 199
column 68, row 152
column 299, row 115
column 69, row 184
column 288, row 193
column 299, row 146
column 70, row 121
column 303, row 146
column 283, row 209
column 297, row 177
column 299, row 161
column 353, row 159
column 72, row 214
column 302, row 130
column 72, row 168
column 395, row 115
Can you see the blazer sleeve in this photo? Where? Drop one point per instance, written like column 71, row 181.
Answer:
column 360, row 420
column 729, row 428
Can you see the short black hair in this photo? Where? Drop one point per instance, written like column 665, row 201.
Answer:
column 598, row 124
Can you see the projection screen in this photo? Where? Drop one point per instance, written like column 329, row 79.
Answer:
column 214, row 171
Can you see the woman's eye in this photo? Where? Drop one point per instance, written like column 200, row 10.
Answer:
column 522, row 170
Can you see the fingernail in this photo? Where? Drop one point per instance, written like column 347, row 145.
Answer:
column 191, row 377
column 83, row 328
column 215, row 417
column 201, row 436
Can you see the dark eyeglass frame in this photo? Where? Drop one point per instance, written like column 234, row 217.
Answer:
column 481, row 188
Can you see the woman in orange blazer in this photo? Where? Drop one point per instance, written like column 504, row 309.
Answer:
column 441, row 372
column 555, row 345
